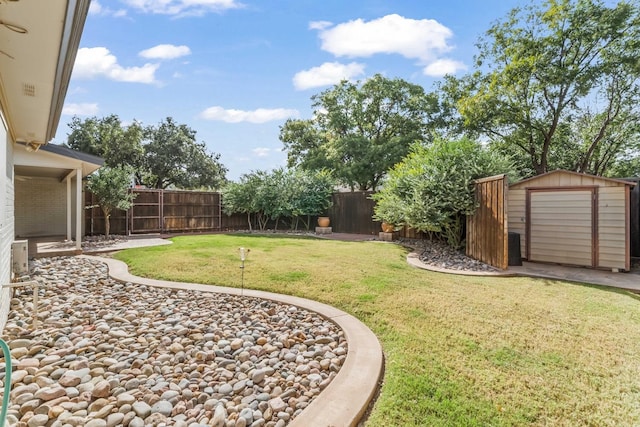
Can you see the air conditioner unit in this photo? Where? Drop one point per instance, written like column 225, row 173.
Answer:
column 20, row 257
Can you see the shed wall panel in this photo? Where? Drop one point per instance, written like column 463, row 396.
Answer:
column 610, row 224
column 558, row 234
column 612, row 230
column 517, row 216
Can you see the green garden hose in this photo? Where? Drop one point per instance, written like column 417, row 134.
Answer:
column 7, row 381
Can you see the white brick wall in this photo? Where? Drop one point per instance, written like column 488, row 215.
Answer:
column 6, row 220
column 41, row 207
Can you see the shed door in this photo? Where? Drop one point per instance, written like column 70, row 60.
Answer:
column 561, row 228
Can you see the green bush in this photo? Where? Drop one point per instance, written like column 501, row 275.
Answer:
column 431, row 190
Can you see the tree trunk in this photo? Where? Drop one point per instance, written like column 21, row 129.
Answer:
column 107, row 219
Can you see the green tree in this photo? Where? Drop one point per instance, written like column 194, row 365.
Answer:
column 431, row 190
column 238, row 197
column 106, row 137
column 111, row 188
column 311, row 194
column 172, row 157
column 360, row 130
column 557, row 82
column 281, row 194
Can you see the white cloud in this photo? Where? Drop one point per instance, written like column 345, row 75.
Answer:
column 180, row 8
column 260, row 115
column 97, row 9
column 420, row 39
column 319, row 25
column 80, row 109
column 165, row 51
column 327, row 74
column 442, row 67
column 92, row 62
column 261, row 151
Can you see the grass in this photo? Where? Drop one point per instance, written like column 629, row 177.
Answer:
column 459, row 350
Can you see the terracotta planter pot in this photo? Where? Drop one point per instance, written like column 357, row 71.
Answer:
column 323, row 221
column 388, row 228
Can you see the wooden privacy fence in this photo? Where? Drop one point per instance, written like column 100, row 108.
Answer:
column 487, row 229
column 174, row 211
column 159, row 211
column 351, row 213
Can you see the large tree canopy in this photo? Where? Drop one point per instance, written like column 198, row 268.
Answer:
column 106, row 137
column 557, row 84
column 174, row 158
column 161, row 156
column 359, row 131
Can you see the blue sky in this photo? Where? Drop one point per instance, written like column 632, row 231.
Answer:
column 235, row 70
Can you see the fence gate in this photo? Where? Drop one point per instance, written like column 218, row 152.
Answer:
column 159, row 211
column 487, row 228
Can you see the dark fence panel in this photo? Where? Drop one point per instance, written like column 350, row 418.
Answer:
column 94, row 218
column 351, row 213
column 234, row 222
column 191, row 211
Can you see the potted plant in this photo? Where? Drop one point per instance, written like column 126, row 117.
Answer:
column 323, row 221
column 388, row 211
column 388, row 227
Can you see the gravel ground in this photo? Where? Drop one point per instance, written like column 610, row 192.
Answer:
column 439, row 254
column 120, row 354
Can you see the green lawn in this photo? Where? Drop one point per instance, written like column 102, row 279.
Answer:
column 459, row 350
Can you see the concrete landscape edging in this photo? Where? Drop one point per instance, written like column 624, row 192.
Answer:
column 347, row 397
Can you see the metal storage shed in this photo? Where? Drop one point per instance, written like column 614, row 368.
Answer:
column 571, row 218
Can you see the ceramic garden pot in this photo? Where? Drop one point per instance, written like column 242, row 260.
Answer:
column 388, row 228
column 323, row 221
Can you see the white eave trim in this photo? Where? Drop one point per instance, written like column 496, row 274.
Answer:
column 75, row 18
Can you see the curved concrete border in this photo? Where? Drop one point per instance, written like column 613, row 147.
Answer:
column 346, row 398
column 414, row 260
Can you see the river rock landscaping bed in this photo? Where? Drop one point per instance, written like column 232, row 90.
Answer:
column 120, row 354
column 441, row 255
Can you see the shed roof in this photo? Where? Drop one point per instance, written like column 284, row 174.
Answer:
column 560, row 172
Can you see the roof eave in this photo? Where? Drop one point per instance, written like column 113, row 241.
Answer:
column 619, row 181
column 76, row 15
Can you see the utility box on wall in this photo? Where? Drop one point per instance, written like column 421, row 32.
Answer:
column 20, row 257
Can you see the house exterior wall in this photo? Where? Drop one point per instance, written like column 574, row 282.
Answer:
column 6, row 219
column 41, row 195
